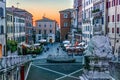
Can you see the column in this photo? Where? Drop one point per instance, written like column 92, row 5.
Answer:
column 22, row 72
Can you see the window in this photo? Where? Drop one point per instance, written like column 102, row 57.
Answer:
column 93, row 21
column 45, row 25
column 11, row 18
column 112, row 30
column 102, row 20
column 50, row 25
column 112, row 18
column 65, row 24
column 116, row 2
column 39, row 25
column 39, row 37
column 108, row 30
column 113, row 3
column 39, row 31
column 97, row 20
column 65, row 15
column 118, row 30
column 108, row 18
column 109, row 4
column 118, row 17
column 1, row 29
column 50, row 31
column 1, row 12
column 44, row 31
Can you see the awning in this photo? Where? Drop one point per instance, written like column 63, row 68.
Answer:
column 42, row 40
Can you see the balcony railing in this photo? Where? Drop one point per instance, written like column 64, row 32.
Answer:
column 97, row 1
column 10, row 62
column 97, row 13
column 87, row 20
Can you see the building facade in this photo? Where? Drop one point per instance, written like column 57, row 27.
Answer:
column 2, row 27
column 46, row 29
column 10, row 27
column 98, row 14
column 87, row 27
column 28, row 26
column 78, row 20
column 65, row 23
column 113, row 23
column 20, row 25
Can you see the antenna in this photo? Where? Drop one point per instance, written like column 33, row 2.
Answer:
column 17, row 4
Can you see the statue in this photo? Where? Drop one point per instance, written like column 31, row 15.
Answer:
column 98, row 53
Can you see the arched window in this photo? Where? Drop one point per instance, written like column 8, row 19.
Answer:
column 1, row 12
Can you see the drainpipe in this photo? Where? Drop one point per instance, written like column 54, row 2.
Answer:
column 5, row 48
column 105, row 17
column 115, row 27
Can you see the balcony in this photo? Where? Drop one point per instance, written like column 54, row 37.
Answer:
column 97, row 13
column 97, row 1
column 87, row 20
column 11, row 62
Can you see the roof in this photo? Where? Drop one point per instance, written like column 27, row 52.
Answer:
column 44, row 19
column 67, row 10
column 18, row 11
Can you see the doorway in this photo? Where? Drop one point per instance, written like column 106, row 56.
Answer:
column 50, row 40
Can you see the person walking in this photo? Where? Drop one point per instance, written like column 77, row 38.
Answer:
column 57, row 50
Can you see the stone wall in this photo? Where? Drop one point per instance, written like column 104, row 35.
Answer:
column 115, row 70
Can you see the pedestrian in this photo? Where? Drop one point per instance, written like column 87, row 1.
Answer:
column 47, row 48
column 57, row 50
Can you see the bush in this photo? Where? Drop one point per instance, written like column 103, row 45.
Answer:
column 11, row 45
column 32, row 50
column 94, row 11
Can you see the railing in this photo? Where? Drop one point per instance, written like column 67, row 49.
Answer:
column 97, row 13
column 9, row 62
column 97, row 1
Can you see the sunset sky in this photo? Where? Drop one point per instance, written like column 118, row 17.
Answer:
column 49, row 8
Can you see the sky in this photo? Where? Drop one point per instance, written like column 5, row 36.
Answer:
column 48, row 8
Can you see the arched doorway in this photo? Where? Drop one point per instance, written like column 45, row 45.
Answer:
column 66, row 36
column 50, row 40
column 0, row 50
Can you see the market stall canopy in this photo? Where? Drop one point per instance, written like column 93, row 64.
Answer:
column 37, row 44
column 42, row 40
column 82, row 43
column 66, row 42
